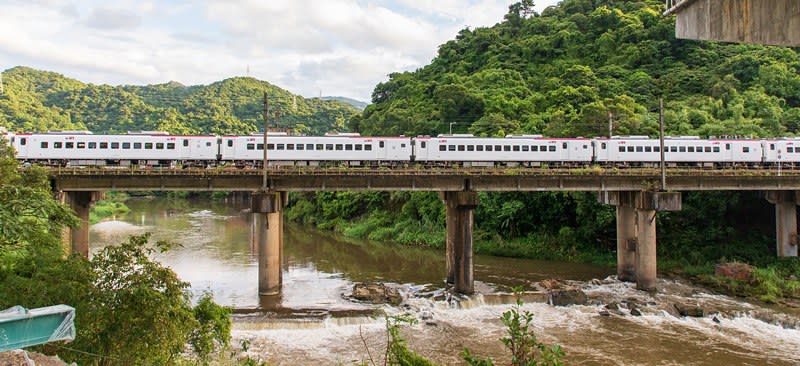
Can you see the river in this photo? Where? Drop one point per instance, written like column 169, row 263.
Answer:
column 314, row 322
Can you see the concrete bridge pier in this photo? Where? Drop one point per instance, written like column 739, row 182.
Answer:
column 460, row 207
column 267, row 214
column 636, row 232
column 785, row 221
column 77, row 238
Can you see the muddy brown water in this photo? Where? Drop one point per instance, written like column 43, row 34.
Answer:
column 313, row 322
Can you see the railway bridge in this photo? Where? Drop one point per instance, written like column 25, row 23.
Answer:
column 636, row 192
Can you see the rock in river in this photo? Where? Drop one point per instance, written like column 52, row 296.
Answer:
column 568, row 297
column 376, row 293
column 690, row 310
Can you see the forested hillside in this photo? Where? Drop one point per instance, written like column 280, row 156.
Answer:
column 561, row 73
column 34, row 100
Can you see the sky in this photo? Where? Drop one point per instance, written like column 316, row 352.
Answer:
column 309, row 47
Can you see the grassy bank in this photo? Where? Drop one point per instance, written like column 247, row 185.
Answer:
column 112, row 205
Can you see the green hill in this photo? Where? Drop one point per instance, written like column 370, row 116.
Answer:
column 355, row 103
column 563, row 71
column 36, row 100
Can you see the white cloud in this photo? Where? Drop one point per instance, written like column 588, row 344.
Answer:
column 341, row 47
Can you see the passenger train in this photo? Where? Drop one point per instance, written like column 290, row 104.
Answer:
column 82, row 148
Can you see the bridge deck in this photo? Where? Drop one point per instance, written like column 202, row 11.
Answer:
column 404, row 179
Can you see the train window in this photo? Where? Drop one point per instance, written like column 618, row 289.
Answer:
column 564, row 145
column 630, row 148
column 270, row 146
column 516, row 147
column 543, row 148
column 656, row 148
column 104, row 145
column 585, row 146
column 622, row 149
column 451, row 147
column 470, row 147
column 159, row 146
column 552, row 148
column 260, row 147
column 43, row 145
column 57, row 145
column 348, row 147
column 789, row 149
column 460, row 147
column 185, row 143
column 339, row 147
column 368, row 147
column 309, row 146
column 23, row 141
column 328, row 146
column 648, row 149
column 137, row 145
column 691, row 149
column 525, row 148
column 488, row 147
column 289, row 146
column 727, row 146
column 442, row 147
column 359, row 147
column 745, row 149
column 479, row 147
column 115, row 145
column 673, row 149
column 170, row 146
column 230, row 143
column 640, row 149
column 682, row 148
column 69, row 145
column 716, row 148
column 319, row 147
column 301, row 147
column 381, row 144
column 280, row 146
column 603, row 145
column 81, row 145
column 534, row 148
column 402, row 145
column 423, row 145
column 505, row 148
column 126, row 145
column 251, row 146
column 699, row 149
column 772, row 147
column 707, row 149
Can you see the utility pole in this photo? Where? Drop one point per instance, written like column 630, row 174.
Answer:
column 266, row 129
column 661, row 137
column 451, row 126
column 610, row 124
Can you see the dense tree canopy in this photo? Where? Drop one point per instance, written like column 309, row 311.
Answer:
column 40, row 101
column 564, row 71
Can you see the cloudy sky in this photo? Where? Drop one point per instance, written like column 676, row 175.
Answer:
column 333, row 47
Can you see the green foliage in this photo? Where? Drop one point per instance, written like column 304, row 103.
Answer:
column 213, row 330
column 397, row 351
column 521, row 341
column 40, row 101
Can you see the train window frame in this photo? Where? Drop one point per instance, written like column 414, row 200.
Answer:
column 470, row 147
column 488, row 147
column 126, row 145
column 516, row 148
column 170, row 146
column 727, row 146
column 270, row 146
column 602, row 145
column 656, row 148
column 319, row 147
column 772, row 147
column 58, row 145
column 621, row 148
column 159, row 146
column 137, row 145
column 403, row 145
column 43, row 145
column 358, row 147
column 329, row 147
column 673, row 149
column 690, row 149
column 535, row 148
column 104, row 145
column 478, row 147
column 564, row 145
column 115, row 145
column 543, row 148
column 208, row 143
column 648, row 149
column 300, row 147
column 80, row 145
column 69, row 145
column 525, row 148
column 423, row 145
column 348, row 147
column 506, row 148
column 461, row 148
column 682, row 149
column 368, row 147
column 498, row 148
column 789, row 149
column 630, row 148
column 699, row 149
column 260, row 146
column 280, row 147
column 185, row 142
column 707, row 149
column 585, row 146
column 339, row 147
column 451, row 147
column 639, row 149
column 250, row 146
column 746, row 149
column 289, row 146
column 309, row 147
column 92, row 145
column 442, row 147
column 230, row 143
column 551, row 148
column 381, row 144
column 23, row 141
column 716, row 149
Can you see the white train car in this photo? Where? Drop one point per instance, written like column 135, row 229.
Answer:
column 531, row 150
column 785, row 150
column 79, row 148
column 685, row 150
column 282, row 149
